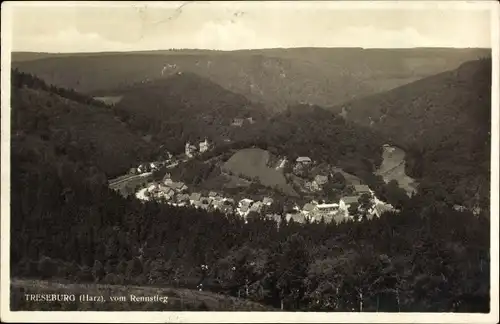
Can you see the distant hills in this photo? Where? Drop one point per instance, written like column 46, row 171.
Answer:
column 443, row 122
column 275, row 77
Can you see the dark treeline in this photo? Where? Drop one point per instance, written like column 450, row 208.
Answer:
column 19, row 79
column 66, row 224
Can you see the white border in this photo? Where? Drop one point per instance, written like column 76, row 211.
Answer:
column 249, row 317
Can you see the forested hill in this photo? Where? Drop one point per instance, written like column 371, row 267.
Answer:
column 186, row 107
column 275, row 77
column 309, row 130
column 60, row 123
column 444, row 124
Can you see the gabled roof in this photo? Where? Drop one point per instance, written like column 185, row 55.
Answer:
column 212, row 194
column 350, row 199
column 267, row 200
column 361, row 188
column 320, row 206
column 308, row 207
column 321, row 179
column 303, row 159
column 195, row 196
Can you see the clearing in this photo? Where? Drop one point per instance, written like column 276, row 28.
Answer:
column 393, row 168
column 252, row 163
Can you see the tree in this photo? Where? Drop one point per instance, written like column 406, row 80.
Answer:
column 353, row 209
column 98, row 271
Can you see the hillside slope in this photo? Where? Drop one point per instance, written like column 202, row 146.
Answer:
column 77, row 128
column 443, row 122
column 186, row 107
column 276, row 77
column 179, row 299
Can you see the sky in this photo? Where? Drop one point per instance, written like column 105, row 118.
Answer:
column 135, row 26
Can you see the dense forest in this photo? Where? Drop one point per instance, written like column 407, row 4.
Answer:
column 66, row 224
column 443, row 123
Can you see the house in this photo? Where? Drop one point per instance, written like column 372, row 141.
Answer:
column 297, row 217
column 328, row 208
column 311, row 186
column 217, row 204
column 308, row 208
column 204, row 146
column 320, row 179
column 362, row 189
column 154, row 165
column 205, row 202
column 459, row 208
column 228, row 201
column 166, row 189
column 345, row 202
column 212, row 194
column 237, row 122
column 178, row 186
column 250, row 120
column 143, row 168
column 195, row 196
column 183, row 198
column 243, row 210
column 379, row 209
column 267, row 201
column 152, row 187
column 196, row 204
column 303, row 160
column 245, row 202
column 256, row 207
column 190, row 150
column 244, row 206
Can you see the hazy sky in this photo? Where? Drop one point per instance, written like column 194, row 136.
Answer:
column 240, row 25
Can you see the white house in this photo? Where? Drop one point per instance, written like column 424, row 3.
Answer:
column 190, row 150
column 303, row 160
column 267, row 201
column 204, row 146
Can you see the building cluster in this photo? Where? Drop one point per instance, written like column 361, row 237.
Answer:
column 338, row 212
column 246, row 206
column 176, row 193
column 151, row 166
column 191, row 150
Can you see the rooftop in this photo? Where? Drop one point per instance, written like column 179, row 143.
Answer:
column 327, row 206
column 303, row 159
column 308, row 207
column 350, row 199
column 362, row 188
column 195, row 196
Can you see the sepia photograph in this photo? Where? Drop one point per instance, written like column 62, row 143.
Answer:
column 262, row 161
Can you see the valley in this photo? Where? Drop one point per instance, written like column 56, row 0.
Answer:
column 254, row 179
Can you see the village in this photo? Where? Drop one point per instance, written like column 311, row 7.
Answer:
column 362, row 200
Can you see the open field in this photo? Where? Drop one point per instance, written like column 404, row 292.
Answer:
column 252, row 163
column 178, row 298
column 393, row 168
column 111, row 100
